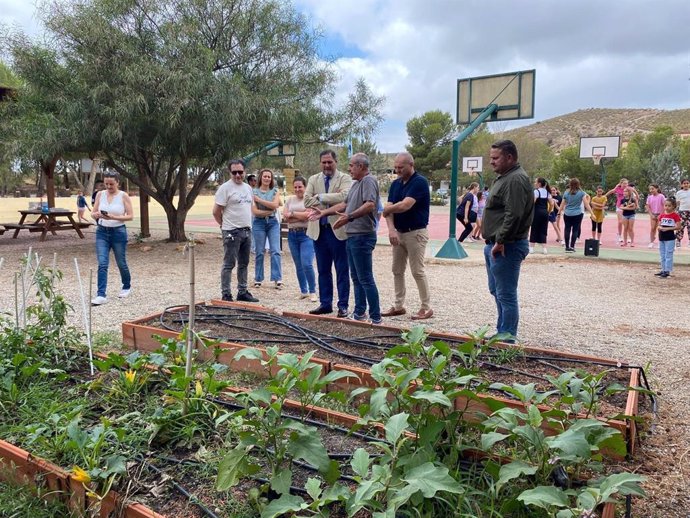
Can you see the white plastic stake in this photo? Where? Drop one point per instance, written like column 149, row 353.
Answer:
column 87, row 323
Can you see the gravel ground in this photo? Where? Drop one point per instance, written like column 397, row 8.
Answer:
column 609, row 309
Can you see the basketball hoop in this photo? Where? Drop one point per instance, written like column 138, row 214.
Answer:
column 597, row 159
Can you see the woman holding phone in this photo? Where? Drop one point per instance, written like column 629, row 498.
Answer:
column 112, row 209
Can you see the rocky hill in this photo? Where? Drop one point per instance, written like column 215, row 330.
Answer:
column 565, row 130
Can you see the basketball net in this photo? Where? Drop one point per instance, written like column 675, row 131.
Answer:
column 471, row 172
column 597, row 159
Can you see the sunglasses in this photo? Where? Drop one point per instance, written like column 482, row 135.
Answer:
column 236, row 172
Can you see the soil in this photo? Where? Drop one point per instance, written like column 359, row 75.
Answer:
column 299, row 336
column 612, row 309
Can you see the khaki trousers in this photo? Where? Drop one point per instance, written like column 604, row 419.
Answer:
column 413, row 247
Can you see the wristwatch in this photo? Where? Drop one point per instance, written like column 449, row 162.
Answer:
column 350, row 218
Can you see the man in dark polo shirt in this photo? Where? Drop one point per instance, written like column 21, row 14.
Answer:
column 507, row 220
column 407, row 217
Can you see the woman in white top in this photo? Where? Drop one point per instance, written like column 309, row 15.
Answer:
column 111, row 209
column 301, row 245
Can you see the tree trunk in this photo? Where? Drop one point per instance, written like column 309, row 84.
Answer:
column 176, row 218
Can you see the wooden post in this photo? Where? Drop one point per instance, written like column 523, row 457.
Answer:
column 144, row 203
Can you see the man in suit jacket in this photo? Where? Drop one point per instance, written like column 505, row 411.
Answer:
column 328, row 188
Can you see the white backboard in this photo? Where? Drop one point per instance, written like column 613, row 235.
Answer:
column 606, row 147
column 472, row 164
column 512, row 92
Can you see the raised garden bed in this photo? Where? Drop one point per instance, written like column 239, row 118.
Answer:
column 349, row 345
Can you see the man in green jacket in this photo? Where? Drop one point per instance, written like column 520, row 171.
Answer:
column 507, row 220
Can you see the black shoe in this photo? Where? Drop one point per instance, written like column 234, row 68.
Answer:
column 664, row 275
column 342, row 313
column 660, row 274
column 321, row 310
column 246, row 297
column 227, row 298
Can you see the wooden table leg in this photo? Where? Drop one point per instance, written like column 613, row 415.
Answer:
column 21, row 222
column 76, row 226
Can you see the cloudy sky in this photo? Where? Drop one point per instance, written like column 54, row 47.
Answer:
column 587, row 53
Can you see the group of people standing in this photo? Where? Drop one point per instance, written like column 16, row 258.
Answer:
column 332, row 217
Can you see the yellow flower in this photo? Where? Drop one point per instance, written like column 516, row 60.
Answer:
column 199, row 389
column 80, row 475
column 130, row 375
column 169, row 400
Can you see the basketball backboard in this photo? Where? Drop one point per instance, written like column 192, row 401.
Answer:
column 512, row 92
column 599, row 147
column 472, row 164
column 282, row 150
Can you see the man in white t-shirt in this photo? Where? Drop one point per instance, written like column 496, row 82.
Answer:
column 683, row 201
column 233, row 212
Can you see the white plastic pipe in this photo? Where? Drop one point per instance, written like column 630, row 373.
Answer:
column 87, row 323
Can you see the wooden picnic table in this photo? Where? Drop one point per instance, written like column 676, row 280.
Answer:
column 52, row 221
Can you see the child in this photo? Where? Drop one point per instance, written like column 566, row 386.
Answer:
column 655, row 206
column 628, row 207
column 683, row 204
column 598, row 214
column 669, row 224
column 82, row 206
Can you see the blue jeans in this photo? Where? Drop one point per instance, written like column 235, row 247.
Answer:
column 504, row 273
column 115, row 239
column 360, row 250
column 666, row 249
column 302, row 250
column 329, row 251
column 262, row 229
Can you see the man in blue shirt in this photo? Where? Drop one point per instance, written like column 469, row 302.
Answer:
column 407, row 217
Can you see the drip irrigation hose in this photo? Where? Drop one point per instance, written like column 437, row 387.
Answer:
column 314, row 422
column 319, row 339
column 181, row 489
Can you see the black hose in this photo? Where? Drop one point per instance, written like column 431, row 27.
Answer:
column 192, row 499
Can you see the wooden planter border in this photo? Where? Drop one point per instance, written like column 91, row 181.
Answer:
column 140, row 337
column 18, row 466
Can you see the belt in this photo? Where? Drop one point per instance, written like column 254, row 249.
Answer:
column 233, row 229
column 297, row 230
column 410, row 229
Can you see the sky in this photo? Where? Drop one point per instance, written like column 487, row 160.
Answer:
column 586, row 53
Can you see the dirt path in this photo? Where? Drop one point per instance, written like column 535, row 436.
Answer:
column 610, row 309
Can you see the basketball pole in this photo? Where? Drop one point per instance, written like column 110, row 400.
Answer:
column 452, row 249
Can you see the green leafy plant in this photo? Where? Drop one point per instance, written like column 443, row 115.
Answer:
column 268, row 441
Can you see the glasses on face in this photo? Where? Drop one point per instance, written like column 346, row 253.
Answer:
column 236, row 172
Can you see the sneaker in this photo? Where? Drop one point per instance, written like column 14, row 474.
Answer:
column 569, row 250
column 227, row 298
column 531, row 249
column 544, row 251
column 377, row 322
column 342, row 313
column 678, row 244
column 97, row 301
column 623, row 244
column 358, row 318
column 312, row 297
column 470, row 239
column 304, row 295
column 257, row 285
column 246, row 297
column 278, row 285
column 124, row 293
column 664, row 275
column 632, row 245
column 659, row 274
column 629, row 240
column 651, row 245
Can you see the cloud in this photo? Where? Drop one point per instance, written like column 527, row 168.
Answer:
column 616, row 54
column 587, row 53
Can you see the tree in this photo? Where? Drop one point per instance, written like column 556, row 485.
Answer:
column 167, row 88
column 430, row 140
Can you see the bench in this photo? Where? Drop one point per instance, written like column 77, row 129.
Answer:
column 24, row 226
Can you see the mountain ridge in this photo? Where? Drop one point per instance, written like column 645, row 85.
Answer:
column 565, row 130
